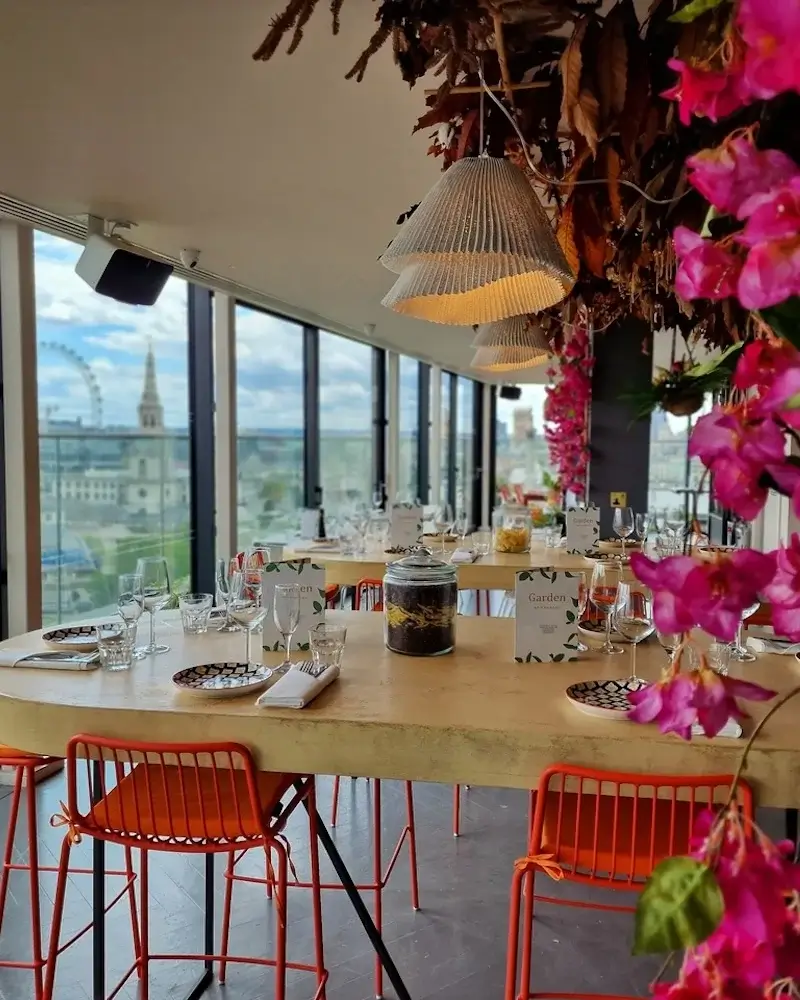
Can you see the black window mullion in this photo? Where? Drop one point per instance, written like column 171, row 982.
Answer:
column 452, row 440
column 491, row 472
column 477, row 516
column 423, row 432
column 379, row 421
column 312, row 485
column 201, row 438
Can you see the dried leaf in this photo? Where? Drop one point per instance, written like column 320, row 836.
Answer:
column 565, row 234
column 467, row 128
column 612, row 179
column 612, row 65
column 590, row 236
column 637, row 99
column 574, row 172
column 570, row 66
column 585, row 115
column 693, row 10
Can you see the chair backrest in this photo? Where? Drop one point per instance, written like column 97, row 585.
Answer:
column 614, row 827
column 188, row 792
column 369, row 592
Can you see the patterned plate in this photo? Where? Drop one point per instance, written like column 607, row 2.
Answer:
column 607, row 557
column 604, row 699
column 223, row 680
column 75, row 638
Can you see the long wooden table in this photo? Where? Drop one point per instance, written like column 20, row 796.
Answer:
column 473, row 717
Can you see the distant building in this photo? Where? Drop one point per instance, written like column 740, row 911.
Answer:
column 523, row 424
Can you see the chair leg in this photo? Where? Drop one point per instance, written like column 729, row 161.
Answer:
column 226, row 913
column 137, row 947
column 377, row 877
column 55, row 925
column 512, row 948
column 335, row 803
column 316, row 891
column 456, row 810
column 412, row 845
column 144, row 908
column 280, row 937
column 527, row 935
column 33, row 870
column 11, row 833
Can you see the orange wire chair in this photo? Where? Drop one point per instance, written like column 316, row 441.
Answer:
column 25, row 765
column 190, row 798
column 607, row 829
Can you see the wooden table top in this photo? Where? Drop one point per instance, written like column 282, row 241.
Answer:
column 474, row 717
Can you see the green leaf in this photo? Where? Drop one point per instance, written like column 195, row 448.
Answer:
column 303, row 645
column 680, row 906
column 557, row 657
column 570, row 645
column 300, row 568
column 575, row 602
column 317, row 608
column 694, row 9
column 784, row 319
column 570, row 617
column 518, row 659
column 699, row 371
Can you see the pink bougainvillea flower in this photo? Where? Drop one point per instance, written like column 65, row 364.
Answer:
column 733, row 174
column 782, row 399
column 737, row 485
column 715, row 699
column 705, row 271
column 705, row 92
column 668, row 703
column 770, row 29
column 667, row 580
column 761, row 360
column 724, row 587
column 728, row 432
column 774, row 215
column 783, row 591
column 771, row 274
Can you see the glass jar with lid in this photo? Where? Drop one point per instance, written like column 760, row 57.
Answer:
column 420, row 597
column 511, row 528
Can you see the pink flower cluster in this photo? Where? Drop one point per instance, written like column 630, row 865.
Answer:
column 566, row 411
column 755, row 951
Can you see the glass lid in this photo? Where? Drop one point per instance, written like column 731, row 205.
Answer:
column 423, row 567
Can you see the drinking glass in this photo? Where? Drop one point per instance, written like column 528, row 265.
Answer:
column 195, row 612
column 115, row 644
column 739, row 651
column 718, row 655
column 481, row 542
column 255, row 559
column 225, row 570
column 583, row 600
column 623, row 524
column 246, row 611
column 633, row 618
column 642, row 526
column 669, row 642
column 286, row 613
column 130, row 603
column 460, row 524
column 604, row 594
column 327, row 644
column 156, row 594
column 443, row 520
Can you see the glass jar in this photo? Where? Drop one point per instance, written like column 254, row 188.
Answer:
column 511, row 528
column 420, row 596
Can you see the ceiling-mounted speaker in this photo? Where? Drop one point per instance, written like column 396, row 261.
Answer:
column 112, row 267
column 510, row 392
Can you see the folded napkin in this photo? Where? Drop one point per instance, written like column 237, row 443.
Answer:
column 46, row 659
column 296, row 689
column 731, row 730
column 762, row 644
column 463, row 556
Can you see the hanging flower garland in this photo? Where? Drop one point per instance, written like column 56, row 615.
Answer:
column 566, row 411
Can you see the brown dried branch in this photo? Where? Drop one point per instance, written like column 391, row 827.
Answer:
column 502, row 58
column 336, row 10
column 281, row 25
column 359, row 67
column 297, row 37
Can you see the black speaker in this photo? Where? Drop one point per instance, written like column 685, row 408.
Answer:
column 114, row 269
column 510, row 392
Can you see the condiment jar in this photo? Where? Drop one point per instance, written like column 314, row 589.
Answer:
column 511, row 528
column 420, row 596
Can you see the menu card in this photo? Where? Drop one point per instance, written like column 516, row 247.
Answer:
column 547, row 616
column 311, row 580
column 405, row 528
column 583, row 529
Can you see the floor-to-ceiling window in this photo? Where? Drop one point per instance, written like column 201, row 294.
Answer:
column 345, row 422
column 113, row 434
column 521, row 450
column 444, row 437
column 673, row 475
column 408, row 452
column 465, row 438
column 269, row 421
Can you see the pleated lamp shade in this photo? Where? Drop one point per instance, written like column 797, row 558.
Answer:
column 510, row 345
column 478, row 248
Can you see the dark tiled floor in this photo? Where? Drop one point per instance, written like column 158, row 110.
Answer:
column 453, row 949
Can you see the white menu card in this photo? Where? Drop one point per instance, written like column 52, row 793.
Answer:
column 311, row 580
column 583, row 529
column 547, row 616
column 406, row 525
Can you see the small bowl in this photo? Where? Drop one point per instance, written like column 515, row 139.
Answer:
column 593, row 634
column 592, row 558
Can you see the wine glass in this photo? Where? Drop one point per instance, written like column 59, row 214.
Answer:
column 443, row 520
column 286, row 613
column 633, row 618
column 623, row 524
column 244, row 608
column 156, row 593
column 255, row 559
column 669, row 642
column 604, row 593
column 739, row 651
column 225, row 570
column 583, row 600
column 642, row 527
column 130, row 603
column 377, row 498
column 460, row 524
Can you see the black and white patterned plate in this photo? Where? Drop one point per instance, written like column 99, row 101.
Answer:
column 222, row 680
column 607, row 557
column 75, row 638
column 604, row 699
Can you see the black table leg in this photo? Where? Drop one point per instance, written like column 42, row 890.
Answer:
column 207, row 977
column 791, row 829
column 359, row 906
column 98, row 898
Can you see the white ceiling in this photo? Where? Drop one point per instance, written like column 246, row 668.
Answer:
column 288, row 177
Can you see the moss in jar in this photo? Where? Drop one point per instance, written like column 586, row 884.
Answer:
column 420, row 621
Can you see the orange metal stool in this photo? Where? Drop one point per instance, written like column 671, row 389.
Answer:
column 607, row 829
column 190, row 798
column 24, row 765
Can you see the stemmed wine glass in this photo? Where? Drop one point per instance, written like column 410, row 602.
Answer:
column 604, row 594
column 225, row 570
column 669, row 642
column 739, row 651
column 443, row 520
column 244, row 608
column 255, row 559
column 286, row 613
column 460, row 524
column 130, row 603
column 633, row 618
column 156, row 593
column 623, row 524
column 583, row 600
column 642, row 527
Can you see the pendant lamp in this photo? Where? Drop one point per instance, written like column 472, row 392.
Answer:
column 478, row 248
column 510, row 345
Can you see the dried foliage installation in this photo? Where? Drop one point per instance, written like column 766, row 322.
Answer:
column 584, row 89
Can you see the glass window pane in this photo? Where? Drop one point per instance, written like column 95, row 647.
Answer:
column 445, row 438
column 345, row 421
column 671, row 470
column 465, row 434
column 113, row 438
column 269, row 428
column 522, row 458
column 407, row 473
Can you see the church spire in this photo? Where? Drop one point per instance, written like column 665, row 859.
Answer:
column 151, row 412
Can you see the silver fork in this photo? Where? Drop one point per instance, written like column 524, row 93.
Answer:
column 308, row 667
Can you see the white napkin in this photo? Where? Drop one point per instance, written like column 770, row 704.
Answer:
column 463, row 556
column 765, row 645
column 731, row 730
column 44, row 659
column 296, row 689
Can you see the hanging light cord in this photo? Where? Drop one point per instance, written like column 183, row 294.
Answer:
column 550, row 180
